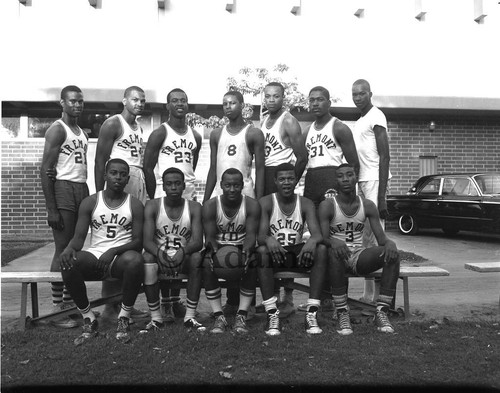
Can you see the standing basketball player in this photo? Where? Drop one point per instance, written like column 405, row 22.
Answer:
column 231, row 219
column 115, row 219
column 173, row 237
column 343, row 221
column 65, row 150
column 173, row 144
column 121, row 137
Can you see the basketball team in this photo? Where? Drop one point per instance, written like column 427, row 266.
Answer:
column 144, row 222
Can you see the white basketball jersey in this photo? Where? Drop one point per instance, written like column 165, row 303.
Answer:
column 348, row 228
column 231, row 230
column 72, row 159
column 276, row 151
column 175, row 232
column 128, row 146
column 286, row 228
column 232, row 152
column 177, row 151
column 110, row 226
column 322, row 147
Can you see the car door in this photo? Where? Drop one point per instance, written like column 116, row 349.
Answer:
column 426, row 202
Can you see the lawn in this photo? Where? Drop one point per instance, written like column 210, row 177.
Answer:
column 15, row 249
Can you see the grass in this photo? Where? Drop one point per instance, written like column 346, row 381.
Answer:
column 465, row 354
column 15, row 249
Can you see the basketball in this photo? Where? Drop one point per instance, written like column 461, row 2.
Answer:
column 229, row 263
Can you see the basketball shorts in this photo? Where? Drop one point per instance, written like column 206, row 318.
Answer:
column 291, row 262
column 137, row 184
column 269, row 185
column 318, row 181
column 99, row 274
column 352, row 261
column 69, row 195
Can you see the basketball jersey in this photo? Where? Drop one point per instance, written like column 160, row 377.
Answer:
column 231, row 230
column 174, row 232
column 72, row 159
column 276, row 151
column 128, row 146
column 177, row 151
column 110, row 226
column 322, row 147
column 348, row 228
column 286, row 228
column 232, row 152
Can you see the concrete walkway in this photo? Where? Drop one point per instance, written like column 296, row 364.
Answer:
column 462, row 295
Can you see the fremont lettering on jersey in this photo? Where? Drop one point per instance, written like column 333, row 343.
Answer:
column 174, row 230
column 112, row 219
column 133, row 139
column 325, row 139
column 77, row 144
column 273, row 142
column 231, row 227
column 286, row 224
column 349, row 226
column 175, row 146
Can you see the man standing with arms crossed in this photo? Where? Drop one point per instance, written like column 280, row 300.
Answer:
column 121, row 137
column 173, row 144
column 283, row 140
column 372, row 142
column 65, row 151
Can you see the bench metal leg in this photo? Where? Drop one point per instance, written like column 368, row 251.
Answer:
column 24, row 300
column 34, row 299
column 406, row 294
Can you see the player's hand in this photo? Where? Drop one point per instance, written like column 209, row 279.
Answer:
column 51, row 173
column 340, row 250
column 390, row 253
column 105, row 259
column 208, row 254
column 306, row 256
column 382, row 208
column 55, row 220
column 66, row 258
column 276, row 250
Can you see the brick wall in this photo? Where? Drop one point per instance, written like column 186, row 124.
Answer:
column 459, row 144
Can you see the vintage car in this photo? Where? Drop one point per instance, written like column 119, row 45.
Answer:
column 452, row 202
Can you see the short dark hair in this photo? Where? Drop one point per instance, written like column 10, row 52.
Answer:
column 69, row 88
column 236, row 94
column 276, row 84
column 116, row 161
column 322, row 90
column 232, row 171
column 363, row 82
column 176, row 90
column 286, row 166
column 172, row 170
column 346, row 165
column 130, row 89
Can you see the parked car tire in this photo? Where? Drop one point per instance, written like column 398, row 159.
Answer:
column 450, row 230
column 407, row 224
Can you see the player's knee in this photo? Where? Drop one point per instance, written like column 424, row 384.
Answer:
column 148, row 257
column 150, row 273
column 133, row 261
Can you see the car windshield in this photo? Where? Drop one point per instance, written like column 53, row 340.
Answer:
column 489, row 184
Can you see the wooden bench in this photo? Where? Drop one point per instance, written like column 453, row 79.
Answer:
column 405, row 273
column 484, row 267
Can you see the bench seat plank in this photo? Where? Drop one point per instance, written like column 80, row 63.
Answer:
column 483, row 267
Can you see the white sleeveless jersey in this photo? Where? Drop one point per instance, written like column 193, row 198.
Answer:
column 348, row 228
column 72, row 159
column 286, row 228
column 232, row 152
column 177, row 151
column 231, row 230
column 110, row 226
column 128, row 146
column 276, row 151
column 322, row 147
column 175, row 232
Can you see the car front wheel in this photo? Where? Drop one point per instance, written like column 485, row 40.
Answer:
column 407, row 225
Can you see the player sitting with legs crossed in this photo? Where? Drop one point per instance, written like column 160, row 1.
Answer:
column 173, row 237
column 342, row 221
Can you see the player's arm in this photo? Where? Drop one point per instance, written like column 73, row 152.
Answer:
column 294, row 133
column 390, row 253
column 251, row 225
column 81, row 230
column 382, row 141
column 326, row 213
column 54, row 138
column 343, row 135
column 149, row 227
column 109, row 131
column 309, row 212
column 212, row 171
column 196, row 154
column 195, row 243
column 256, row 142
column 151, row 158
column 208, row 216
column 265, row 238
